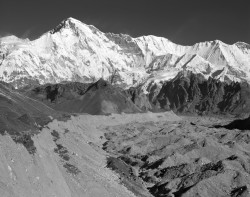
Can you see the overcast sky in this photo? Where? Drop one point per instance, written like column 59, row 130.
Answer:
column 182, row 21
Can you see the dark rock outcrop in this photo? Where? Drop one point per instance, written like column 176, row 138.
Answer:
column 192, row 93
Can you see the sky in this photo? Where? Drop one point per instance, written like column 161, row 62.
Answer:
column 184, row 22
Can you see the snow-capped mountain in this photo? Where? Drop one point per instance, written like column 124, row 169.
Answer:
column 74, row 51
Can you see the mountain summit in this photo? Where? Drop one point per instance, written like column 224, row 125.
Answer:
column 74, row 51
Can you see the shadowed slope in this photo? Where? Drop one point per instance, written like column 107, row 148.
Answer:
column 241, row 124
column 96, row 98
column 19, row 112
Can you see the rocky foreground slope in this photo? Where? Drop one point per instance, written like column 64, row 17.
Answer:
column 67, row 160
column 148, row 154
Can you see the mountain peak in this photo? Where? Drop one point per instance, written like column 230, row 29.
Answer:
column 68, row 22
column 218, row 42
column 71, row 19
column 74, row 25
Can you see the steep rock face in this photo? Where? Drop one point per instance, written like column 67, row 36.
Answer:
column 139, row 99
column 93, row 98
column 74, row 51
column 192, row 93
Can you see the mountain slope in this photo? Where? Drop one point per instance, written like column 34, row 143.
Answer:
column 19, row 112
column 74, row 51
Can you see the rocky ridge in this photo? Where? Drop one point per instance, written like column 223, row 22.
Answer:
column 93, row 98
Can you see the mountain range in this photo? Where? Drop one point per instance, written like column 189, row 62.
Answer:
column 74, row 51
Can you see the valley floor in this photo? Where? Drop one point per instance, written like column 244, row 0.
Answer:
column 151, row 154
